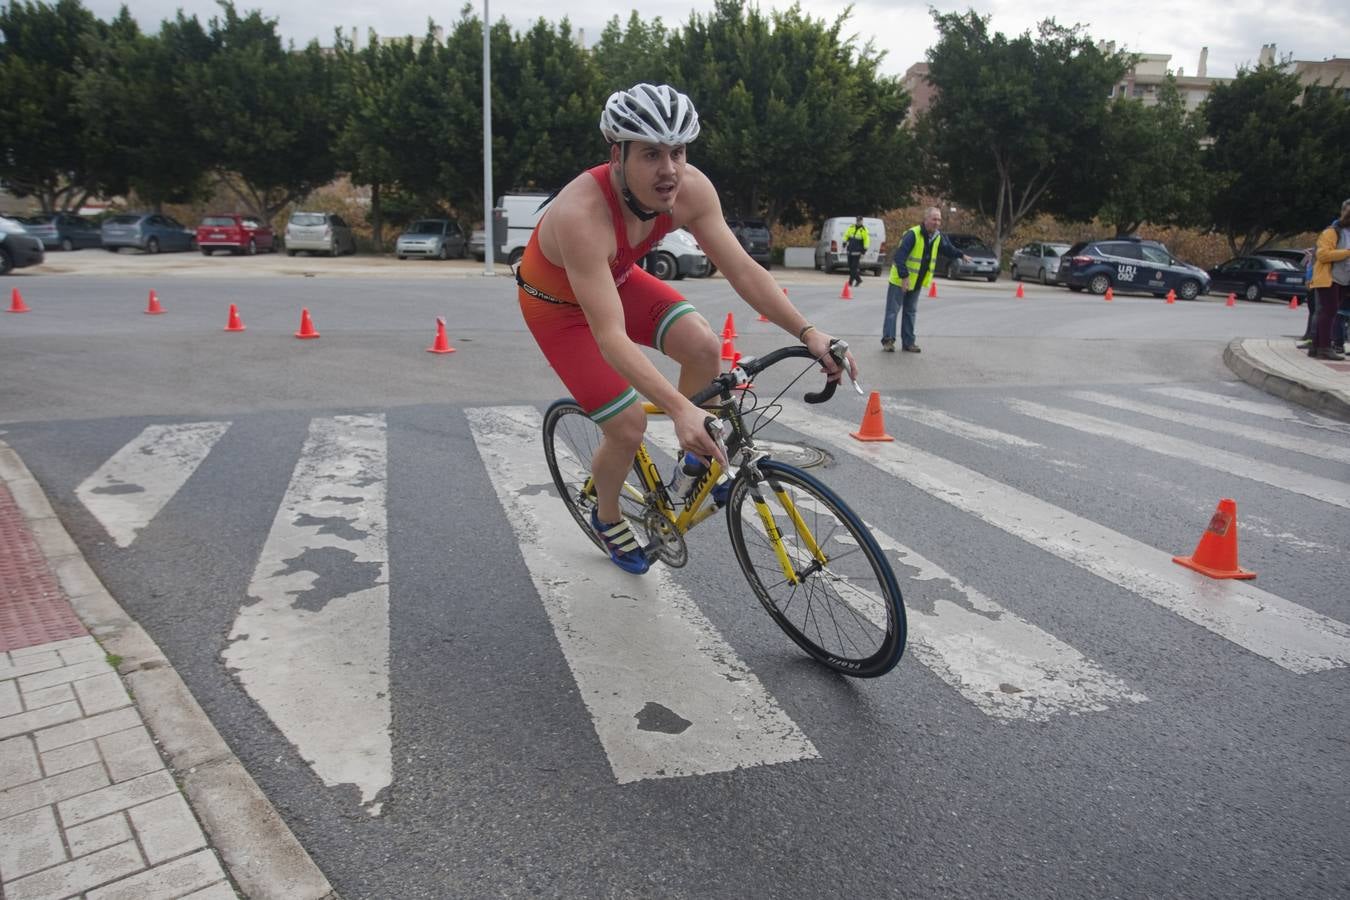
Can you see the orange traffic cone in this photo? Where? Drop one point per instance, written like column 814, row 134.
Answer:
column 762, row 318
column 846, row 293
column 1020, row 292
column 1293, row 303
column 728, row 350
column 16, row 301
column 442, row 343
column 1110, row 294
column 932, row 290
column 873, row 428
column 729, row 329
column 1231, row 301
column 1171, row 296
column 153, row 308
column 234, row 324
column 1217, row 553
column 306, row 326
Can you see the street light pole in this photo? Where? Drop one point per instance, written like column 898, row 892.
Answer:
column 489, row 243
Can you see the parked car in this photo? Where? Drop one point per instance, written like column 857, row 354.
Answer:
column 151, row 232
column 18, row 248
column 754, row 237
column 1255, row 277
column 1285, row 253
column 1039, row 259
column 830, row 251
column 677, row 255
column 236, row 233
column 983, row 263
column 478, row 244
column 1130, row 264
column 432, row 238
column 318, row 232
column 63, row 231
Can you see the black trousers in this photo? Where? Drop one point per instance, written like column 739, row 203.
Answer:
column 853, row 260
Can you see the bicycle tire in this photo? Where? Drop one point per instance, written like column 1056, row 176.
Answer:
column 869, row 627
column 570, row 439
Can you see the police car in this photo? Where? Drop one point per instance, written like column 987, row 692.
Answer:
column 1130, row 264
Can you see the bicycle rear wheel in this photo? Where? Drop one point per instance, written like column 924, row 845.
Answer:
column 841, row 605
column 570, row 439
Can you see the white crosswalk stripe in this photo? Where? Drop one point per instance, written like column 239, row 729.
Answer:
column 1298, row 444
column 1287, row 634
column 666, row 693
column 1283, row 412
column 1004, row 665
column 312, row 648
column 130, row 489
column 1280, row 476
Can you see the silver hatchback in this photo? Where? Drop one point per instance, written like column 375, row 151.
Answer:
column 1038, row 260
column 319, row 232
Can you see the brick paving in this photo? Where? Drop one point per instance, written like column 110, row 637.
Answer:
column 88, row 807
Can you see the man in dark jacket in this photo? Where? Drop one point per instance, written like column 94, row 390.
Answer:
column 912, row 268
column 856, row 242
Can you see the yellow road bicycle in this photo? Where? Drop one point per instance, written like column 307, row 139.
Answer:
column 810, row 560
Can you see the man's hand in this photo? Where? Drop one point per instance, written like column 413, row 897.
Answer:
column 693, row 436
column 818, row 342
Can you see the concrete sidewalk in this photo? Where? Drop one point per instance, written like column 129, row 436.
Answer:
column 103, row 796
column 1278, row 367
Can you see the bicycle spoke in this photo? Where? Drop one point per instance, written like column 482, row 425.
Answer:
column 835, row 603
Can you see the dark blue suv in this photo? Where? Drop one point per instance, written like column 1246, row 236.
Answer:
column 1130, row 264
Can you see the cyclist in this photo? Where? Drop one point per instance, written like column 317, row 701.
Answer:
column 589, row 306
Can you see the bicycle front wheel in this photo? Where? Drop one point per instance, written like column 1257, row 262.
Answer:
column 570, row 441
column 817, row 569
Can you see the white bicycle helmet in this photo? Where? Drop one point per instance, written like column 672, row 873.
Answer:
column 657, row 114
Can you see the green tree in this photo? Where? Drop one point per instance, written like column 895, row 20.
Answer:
column 135, row 122
column 1278, row 161
column 1149, row 168
column 42, row 153
column 1012, row 118
column 265, row 111
column 632, row 54
column 797, row 121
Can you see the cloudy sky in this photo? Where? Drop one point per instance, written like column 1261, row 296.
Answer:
column 1234, row 30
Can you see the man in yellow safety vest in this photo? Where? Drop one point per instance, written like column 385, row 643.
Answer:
column 912, row 270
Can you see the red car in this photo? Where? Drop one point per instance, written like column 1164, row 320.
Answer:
column 236, row 233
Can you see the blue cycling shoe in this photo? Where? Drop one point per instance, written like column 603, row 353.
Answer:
column 622, row 545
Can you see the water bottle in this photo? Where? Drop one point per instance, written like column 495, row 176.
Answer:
column 687, row 473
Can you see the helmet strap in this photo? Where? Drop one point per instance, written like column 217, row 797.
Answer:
column 629, row 200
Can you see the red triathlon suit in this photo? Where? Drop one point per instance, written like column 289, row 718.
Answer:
column 556, row 320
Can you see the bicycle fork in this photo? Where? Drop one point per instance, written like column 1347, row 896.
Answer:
column 775, row 535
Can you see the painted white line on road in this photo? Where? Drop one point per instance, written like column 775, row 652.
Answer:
column 1315, row 486
column 1285, row 633
column 942, row 421
column 1268, row 410
column 130, row 489
column 1337, row 452
column 667, row 695
column 1004, row 665
column 311, row 644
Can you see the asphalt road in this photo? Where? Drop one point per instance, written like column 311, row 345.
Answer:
column 346, row 548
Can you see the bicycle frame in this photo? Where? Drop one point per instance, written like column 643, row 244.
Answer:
column 687, row 514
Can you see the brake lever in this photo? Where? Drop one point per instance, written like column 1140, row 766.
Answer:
column 839, row 350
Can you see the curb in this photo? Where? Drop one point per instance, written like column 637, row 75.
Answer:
column 1244, row 366
column 262, row 856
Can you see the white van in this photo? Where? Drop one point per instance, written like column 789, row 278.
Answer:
column 830, row 252
column 675, row 256
column 512, row 223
